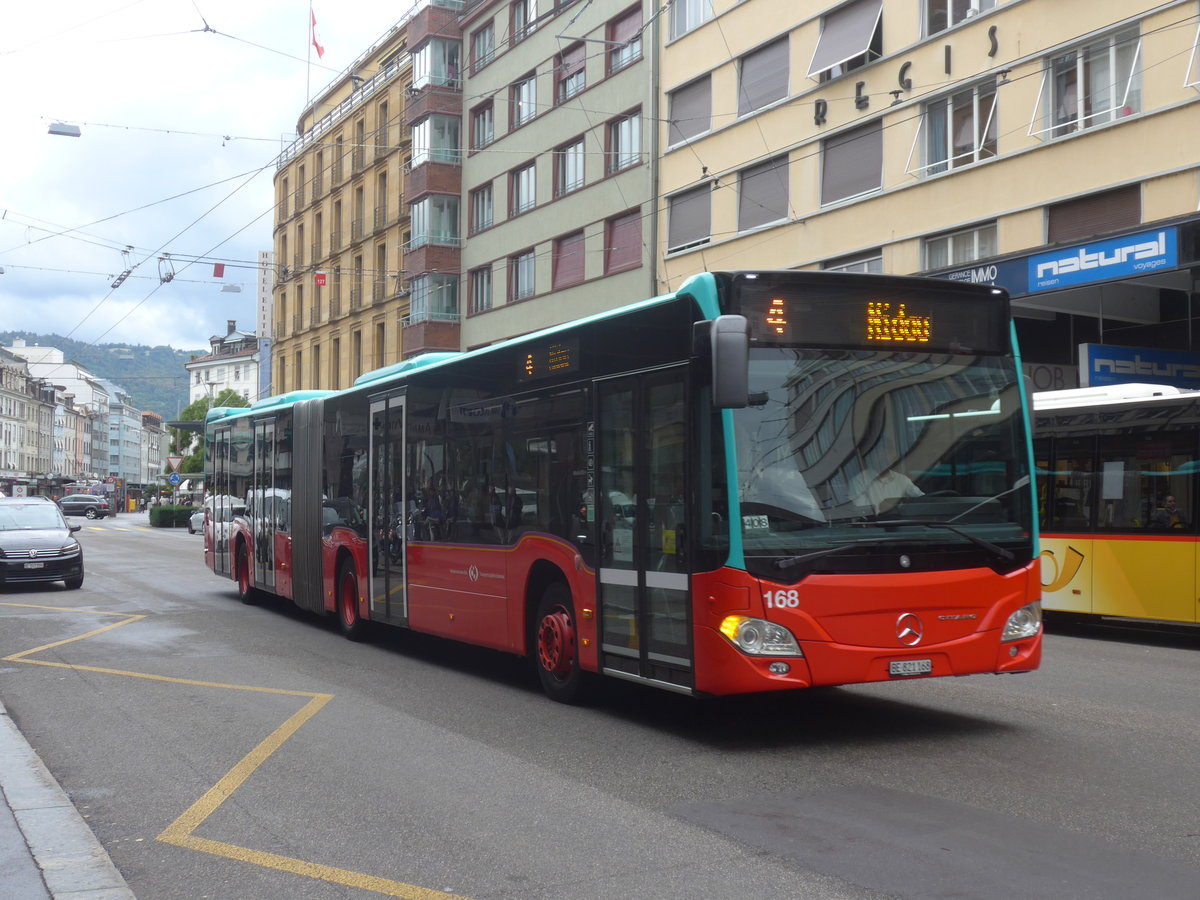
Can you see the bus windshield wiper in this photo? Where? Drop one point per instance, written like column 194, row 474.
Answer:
column 996, row 549
column 829, row 551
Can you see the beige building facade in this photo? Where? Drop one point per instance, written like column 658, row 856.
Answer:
column 340, row 226
column 1006, row 142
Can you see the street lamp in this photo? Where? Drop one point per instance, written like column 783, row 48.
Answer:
column 63, row 130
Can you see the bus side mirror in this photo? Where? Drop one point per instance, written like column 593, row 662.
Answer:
column 729, row 343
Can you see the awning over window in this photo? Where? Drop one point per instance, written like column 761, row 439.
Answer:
column 845, row 34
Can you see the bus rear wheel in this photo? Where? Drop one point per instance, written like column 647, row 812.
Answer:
column 556, row 646
column 244, row 585
column 352, row 624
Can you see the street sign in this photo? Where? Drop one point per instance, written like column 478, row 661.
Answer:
column 175, row 478
column 174, row 462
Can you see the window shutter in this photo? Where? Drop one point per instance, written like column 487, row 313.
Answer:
column 852, row 163
column 691, row 110
column 764, row 77
column 690, row 218
column 1095, row 214
column 568, row 260
column 763, row 193
column 624, row 247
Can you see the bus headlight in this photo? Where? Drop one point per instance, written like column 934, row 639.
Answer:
column 758, row 637
column 1024, row 623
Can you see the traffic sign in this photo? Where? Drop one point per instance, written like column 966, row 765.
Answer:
column 175, row 478
column 174, row 462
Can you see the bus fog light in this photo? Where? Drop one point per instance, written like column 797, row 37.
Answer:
column 1024, row 623
column 779, row 668
column 758, row 637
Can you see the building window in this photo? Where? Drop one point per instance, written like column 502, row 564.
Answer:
column 436, row 139
column 624, row 142
column 434, row 297
column 481, row 208
column 1085, row 217
column 960, row 129
column 568, row 168
column 689, row 218
column 943, row 14
column 481, row 289
column 523, row 15
column 763, row 193
column 434, row 221
column 568, row 73
column 520, row 275
column 522, row 101
column 1091, row 85
column 436, row 63
column 522, row 190
column 852, row 163
column 689, row 14
column 957, row 248
column 568, row 261
column 690, row 110
column 763, row 77
column 623, row 242
column 483, row 46
column 625, row 39
column 865, row 263
column 482, row 129
column 851, row 37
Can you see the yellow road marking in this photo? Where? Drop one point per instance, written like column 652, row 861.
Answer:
column 180, row 832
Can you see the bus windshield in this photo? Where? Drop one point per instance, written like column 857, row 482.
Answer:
column 870, row 461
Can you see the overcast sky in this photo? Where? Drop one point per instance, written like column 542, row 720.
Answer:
column 180, row 128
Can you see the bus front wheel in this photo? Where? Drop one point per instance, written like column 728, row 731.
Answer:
column 556, row 646
column 352, row 624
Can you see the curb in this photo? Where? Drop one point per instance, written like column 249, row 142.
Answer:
column 71, row 861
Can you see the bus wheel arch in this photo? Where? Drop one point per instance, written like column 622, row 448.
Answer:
column 346, row 595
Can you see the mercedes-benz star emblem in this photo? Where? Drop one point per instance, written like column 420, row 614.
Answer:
column 909, row 630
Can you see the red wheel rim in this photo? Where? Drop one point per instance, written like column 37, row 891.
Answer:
column 556, row 643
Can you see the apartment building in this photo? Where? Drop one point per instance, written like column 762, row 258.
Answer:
column 231, row 364
column 340, row 227
column 1014, row 142
column 514, row 164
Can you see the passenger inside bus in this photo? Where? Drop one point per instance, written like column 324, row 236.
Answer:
column 1167, row 515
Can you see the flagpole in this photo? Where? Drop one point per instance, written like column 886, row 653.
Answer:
column 308, row 60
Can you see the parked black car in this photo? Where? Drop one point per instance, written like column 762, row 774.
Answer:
column 37, row 544
column 94, row 506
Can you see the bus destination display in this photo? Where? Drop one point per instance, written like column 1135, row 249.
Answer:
column 546, row 360
column 913, row 320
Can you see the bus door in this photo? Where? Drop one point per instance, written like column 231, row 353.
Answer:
column 261, row 504
column 388, row 515
column 642, row 508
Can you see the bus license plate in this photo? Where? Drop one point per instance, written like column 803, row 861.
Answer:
column 35, row 565
column 910, row 667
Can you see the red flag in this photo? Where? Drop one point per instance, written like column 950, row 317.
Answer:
column 218, row 270
column 316, row 38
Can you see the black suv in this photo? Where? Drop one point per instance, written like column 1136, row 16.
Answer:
column 37, row 544
column 93, row 506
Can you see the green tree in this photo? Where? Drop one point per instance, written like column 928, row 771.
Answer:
column 188, row 442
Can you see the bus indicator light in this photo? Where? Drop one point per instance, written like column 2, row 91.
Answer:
column 898, row 328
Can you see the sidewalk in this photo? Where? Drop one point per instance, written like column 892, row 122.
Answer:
column 47, row 851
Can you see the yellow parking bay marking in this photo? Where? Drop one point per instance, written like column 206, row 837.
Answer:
column 180, row 832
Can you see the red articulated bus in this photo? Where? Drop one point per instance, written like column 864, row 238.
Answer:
column 763, row 481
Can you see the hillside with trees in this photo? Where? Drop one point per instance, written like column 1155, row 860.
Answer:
column 153, row 376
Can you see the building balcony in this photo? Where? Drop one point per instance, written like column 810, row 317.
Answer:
column 422, row 332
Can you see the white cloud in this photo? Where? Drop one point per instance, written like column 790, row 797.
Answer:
column 165, row 109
